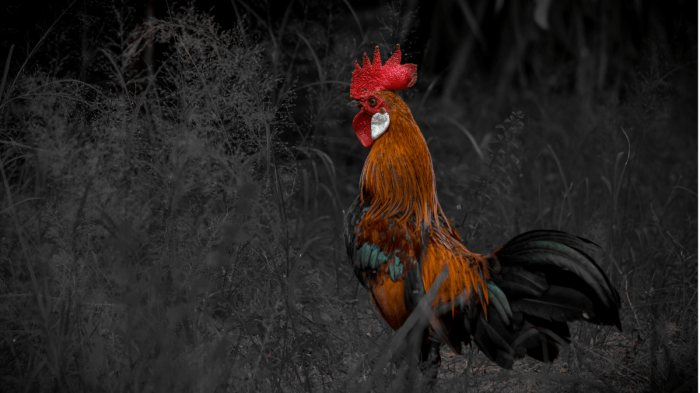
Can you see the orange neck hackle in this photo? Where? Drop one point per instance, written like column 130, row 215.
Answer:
column 398, row 175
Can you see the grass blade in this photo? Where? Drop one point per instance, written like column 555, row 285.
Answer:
column 354, row 15
column 469, row 135
column 313, row 53
column 4, row 74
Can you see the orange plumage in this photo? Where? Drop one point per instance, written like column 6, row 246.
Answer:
column 512, row 302
column 398, row 181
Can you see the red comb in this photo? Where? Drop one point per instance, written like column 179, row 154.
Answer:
column 375, row 77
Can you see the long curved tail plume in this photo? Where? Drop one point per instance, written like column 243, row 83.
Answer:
column 540, row 281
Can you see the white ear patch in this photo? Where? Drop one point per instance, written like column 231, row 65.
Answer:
column 380, row 122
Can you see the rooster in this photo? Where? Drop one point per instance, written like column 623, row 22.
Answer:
column 513, row 302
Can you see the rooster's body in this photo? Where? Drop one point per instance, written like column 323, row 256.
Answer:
column 512, row 302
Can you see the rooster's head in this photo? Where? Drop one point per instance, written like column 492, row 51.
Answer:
column 374, row 117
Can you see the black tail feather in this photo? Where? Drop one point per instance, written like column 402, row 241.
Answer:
column 575, row 281
column 545, row 350
column 492, row 337
column 557, row 304
column 547, row 279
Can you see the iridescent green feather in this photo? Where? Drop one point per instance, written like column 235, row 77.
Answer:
column 373, row 257
column 499, row 301
column 365, row 253
column 381, row 258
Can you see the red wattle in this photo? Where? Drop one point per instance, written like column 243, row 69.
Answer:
column 363, row 128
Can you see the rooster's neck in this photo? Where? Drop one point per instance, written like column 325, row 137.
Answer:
column 398, row 179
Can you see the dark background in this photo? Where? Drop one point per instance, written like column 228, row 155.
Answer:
column 499, row 40
column 175, row 174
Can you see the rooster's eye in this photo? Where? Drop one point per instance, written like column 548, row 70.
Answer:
column 372, row 102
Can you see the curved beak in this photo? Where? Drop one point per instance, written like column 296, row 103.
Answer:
column 355, row 103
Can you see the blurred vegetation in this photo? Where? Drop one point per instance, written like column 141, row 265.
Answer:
column 174, row 179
